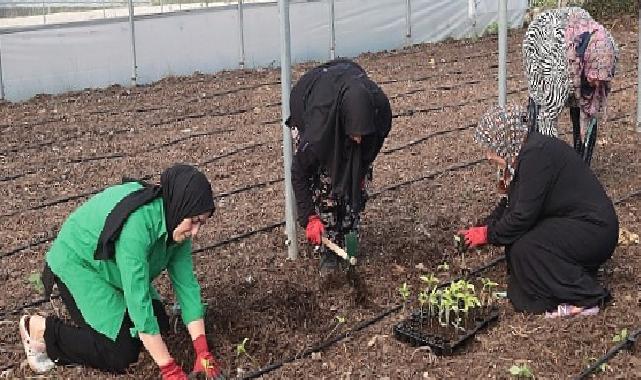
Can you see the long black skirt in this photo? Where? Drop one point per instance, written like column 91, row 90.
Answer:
column 557, row 262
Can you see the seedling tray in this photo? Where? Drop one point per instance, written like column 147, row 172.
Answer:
column 412, row 331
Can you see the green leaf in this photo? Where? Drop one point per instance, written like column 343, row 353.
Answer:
column 36, row 282
column 240, row 347
column 515, row 370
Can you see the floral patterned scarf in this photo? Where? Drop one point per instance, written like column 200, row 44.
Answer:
column 503, row 130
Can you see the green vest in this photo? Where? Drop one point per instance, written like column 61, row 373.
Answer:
column 105, row 289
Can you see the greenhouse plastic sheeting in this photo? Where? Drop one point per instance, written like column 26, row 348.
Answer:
column 54, row 59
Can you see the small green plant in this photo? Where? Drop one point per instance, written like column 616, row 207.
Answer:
column 423, row 297
column 35, row 280
column 242, row 351
column 430, row 281
column 621, row 336
column 521, row 371
column 404, row 291
column 443, row 267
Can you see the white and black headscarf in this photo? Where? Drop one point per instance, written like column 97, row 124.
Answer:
column 186, row 192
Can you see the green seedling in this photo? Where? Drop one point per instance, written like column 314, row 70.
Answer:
column 430, row 281
column 423, row 297
column 35, row 280
column 433, row 301
column 241, row 350
column 404, row 291
column 521, row 371
column 621, row 336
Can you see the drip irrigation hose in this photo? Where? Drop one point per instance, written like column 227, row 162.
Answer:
column 358, row 327
column 625, row 344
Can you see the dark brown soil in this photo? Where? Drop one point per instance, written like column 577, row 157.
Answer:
column 57, row 147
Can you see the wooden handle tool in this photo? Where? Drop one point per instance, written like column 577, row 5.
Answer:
column 338, row 251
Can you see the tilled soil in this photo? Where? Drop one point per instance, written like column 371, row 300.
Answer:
column 57, row 150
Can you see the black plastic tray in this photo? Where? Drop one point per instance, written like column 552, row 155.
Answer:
column 439, row 345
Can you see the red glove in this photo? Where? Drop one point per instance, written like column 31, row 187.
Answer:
column 314, row 229
column 475, row 236
column 205, row 361
column 172, row 371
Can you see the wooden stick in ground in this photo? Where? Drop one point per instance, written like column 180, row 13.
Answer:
column 338, row 251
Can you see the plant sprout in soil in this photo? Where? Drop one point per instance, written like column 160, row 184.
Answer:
column 241, row 350
column 521, row 371
column 621, row 336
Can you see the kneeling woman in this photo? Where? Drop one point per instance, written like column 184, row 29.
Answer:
column 103, row 261
column 557, row 223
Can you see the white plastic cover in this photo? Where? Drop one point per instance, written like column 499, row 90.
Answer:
column 55, row 59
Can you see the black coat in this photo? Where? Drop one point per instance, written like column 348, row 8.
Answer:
column 328, row 104
column 558, row 225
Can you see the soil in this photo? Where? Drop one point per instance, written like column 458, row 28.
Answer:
column 56, row 150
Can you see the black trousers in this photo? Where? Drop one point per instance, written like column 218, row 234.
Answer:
column 81, row 344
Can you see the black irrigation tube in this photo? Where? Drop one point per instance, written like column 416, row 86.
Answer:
column 264, row 184
column 358, row 327
column 120, row 154
column 146, row 177
column 627, row 343
column 14, row 149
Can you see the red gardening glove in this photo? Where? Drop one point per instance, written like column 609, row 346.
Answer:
column 172, row 371
column 205, row 361
column 475, row 236
column 314, row 229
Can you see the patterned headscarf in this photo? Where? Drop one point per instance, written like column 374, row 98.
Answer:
column 503, row 130
column 598, row 63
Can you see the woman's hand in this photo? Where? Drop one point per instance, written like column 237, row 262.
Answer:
column 205, row 362
column 314, row 230
column 172, row 371
column 475, row 236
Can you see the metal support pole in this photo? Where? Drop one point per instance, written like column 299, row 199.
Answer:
column 639, row 77
column 502, row 52
column 133, row 43
column 408, row 22
column 241, row 35
column 44, row 13
column 285, row 86
column 104, row 9
column 1, row 75
column 332, row 31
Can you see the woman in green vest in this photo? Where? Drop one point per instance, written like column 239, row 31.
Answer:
column 103, row 261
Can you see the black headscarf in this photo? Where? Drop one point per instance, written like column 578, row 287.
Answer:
column 339, row 100
column 186, row 193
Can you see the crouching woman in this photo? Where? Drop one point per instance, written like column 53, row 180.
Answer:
column 557, row 223
column 103, row 261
